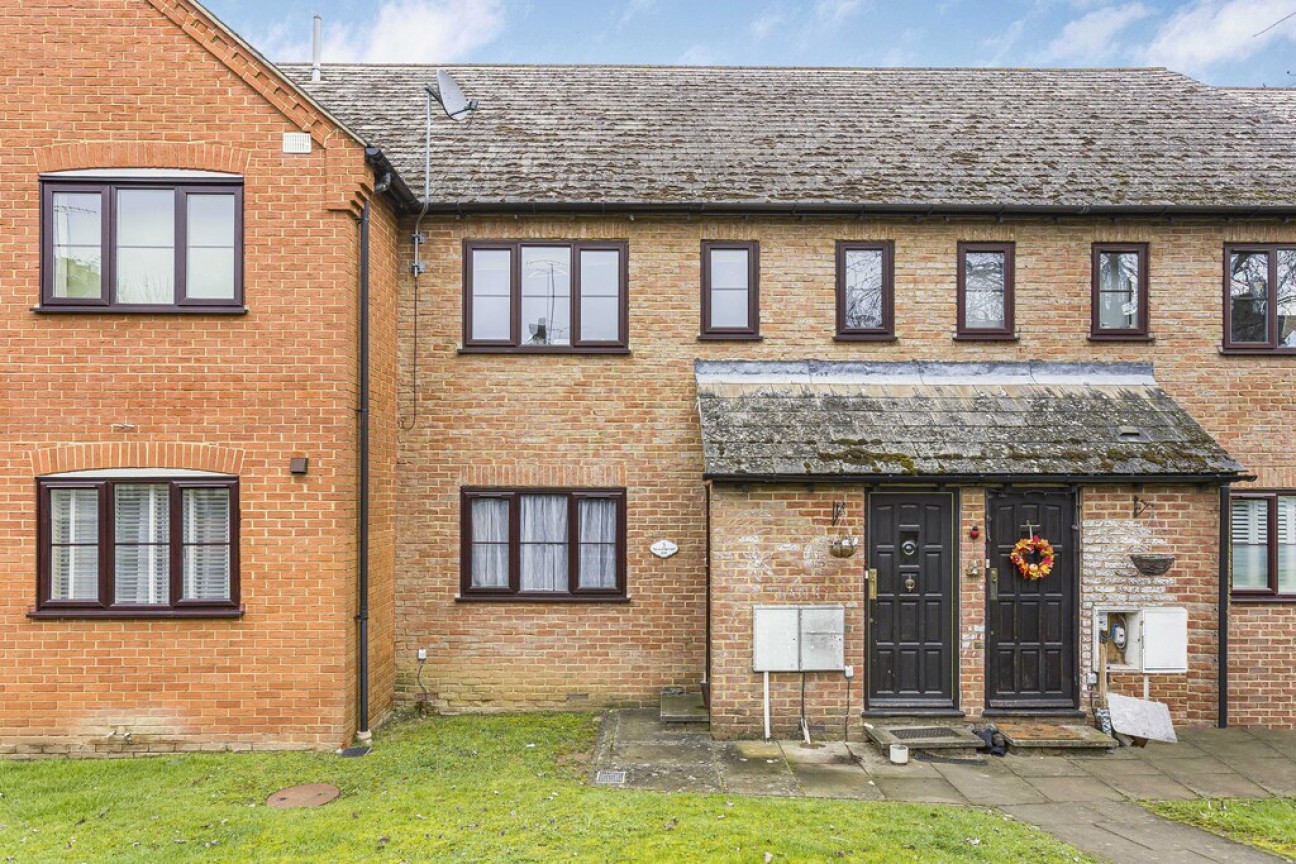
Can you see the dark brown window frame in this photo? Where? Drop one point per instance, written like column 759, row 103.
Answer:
column 1138, row 333
column 514, row 342
column 108, row 188
column 1008, row 332
column 1271, row 593
column 1270, row 345
column 752, row 331
column 514, row 593
column 104, row 607
column 885, row 333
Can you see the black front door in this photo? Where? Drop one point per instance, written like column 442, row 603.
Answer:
column 1031, row 643
column 911, row 620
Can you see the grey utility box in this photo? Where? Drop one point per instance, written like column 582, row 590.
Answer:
column 798, row 638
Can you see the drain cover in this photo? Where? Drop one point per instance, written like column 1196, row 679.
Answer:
column 913, row 733
column 610, row 778
column 309, row 795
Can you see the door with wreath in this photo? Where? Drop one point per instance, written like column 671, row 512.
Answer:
column 1032, row 625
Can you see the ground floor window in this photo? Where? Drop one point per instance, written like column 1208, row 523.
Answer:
column 132, row 542
column 1264, row 544
column 543, row 543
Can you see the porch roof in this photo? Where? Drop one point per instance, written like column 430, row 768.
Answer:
column 949, row 421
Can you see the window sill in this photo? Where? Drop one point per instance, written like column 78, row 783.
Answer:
column 119, row 614
column 1258, row 352
column 865, row 337
column 730, row 337
column 140, row 310
column 531, row 598
column 985, row 337
column 1254, row 599
column 549, row 349
column 1121, row 337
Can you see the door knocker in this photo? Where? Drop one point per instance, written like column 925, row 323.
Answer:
column 909, row 548
column 909, row 583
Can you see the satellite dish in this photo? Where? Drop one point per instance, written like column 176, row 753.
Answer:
column 456, row 105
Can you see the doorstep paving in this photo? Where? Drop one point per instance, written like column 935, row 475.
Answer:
column 1086, row 800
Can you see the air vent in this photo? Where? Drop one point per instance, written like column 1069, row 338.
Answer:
column 296, row 142
column 1129, row 433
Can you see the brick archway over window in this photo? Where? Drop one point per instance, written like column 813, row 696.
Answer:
column 151, row 154
column 88, row 457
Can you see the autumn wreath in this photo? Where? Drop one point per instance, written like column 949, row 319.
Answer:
column 1033, row 557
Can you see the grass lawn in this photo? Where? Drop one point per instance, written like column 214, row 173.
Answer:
column 473, row 788
column 1268, row 823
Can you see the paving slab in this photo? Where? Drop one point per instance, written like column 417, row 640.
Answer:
column 1149, row 787
column 1075, row 789
column 1193, row 765
column 761, row 775
column 1101, row 768
column 835, row 781
column 878, row 766
column 1276, row 773
column 991, row 786
column 920, row 790
column 1041, row 766
column 1230, row 785
column 828, row 753
column 674, row 778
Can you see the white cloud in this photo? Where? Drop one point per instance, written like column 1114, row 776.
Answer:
column 399, row 31
column 1002, row 44
column 833, row 12
column 764, row 24
column 699, row 54
column 1210, row 32
column 634, row 8
column 1092, row 38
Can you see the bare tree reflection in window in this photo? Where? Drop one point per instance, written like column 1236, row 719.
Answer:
column 1249, row 296
column 546, row 295
column 983, row 295
column 864, row 289
column 1118, row 287
column 1286, row 299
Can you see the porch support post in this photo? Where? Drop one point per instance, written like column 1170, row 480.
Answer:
column 1225, row 537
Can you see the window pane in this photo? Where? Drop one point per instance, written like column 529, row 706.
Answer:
column 206, row 572
column 598, row 534
column 1118, row 290
column 146, row 246
column 543, row 543
column 729, row 308
column 78, row 226
column 206, row 515
column 729, row 268
column 600, row 295
column 1248, row 295
column 1287, row 545
column 209, row 269
column 142, row 575
column 74, row 573
column 863, row 289
column 142, row 512
column 490, row 535
column 74, row 515
column 1250, row 519
column 209, row 274
column 210, row 220
column 546, row 295
column 983, row 294
column 1287, row 298
column 491, row 278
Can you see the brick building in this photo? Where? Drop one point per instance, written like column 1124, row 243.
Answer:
column 768, row 316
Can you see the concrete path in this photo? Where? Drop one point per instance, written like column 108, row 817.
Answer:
column 1086, row 800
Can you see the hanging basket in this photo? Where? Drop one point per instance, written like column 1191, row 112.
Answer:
column 1150, row 564
column 843, row 547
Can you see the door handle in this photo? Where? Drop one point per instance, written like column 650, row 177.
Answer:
column 871, row 576
column 993, row 575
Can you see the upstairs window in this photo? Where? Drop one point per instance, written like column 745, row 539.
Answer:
column 540, row 296
column 985, row 291
column 865, row 291
column 1259, row 298
column 1264, row 545
column 1120, row 291
column 730, row 290
column 137, row 543
column 543, row 544
column 141, row 244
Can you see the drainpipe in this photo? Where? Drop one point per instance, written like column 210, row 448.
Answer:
column 1225, row 537
column 362, row 412
column 706, row 669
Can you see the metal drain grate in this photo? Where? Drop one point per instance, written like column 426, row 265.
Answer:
column 610, row 778
column 913, row 733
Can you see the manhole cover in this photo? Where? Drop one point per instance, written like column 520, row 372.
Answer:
column 913, row 733
column 309, row 795
column 610, row 778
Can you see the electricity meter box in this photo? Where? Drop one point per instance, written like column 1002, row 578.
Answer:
column 1150, row 639
column 798, row 638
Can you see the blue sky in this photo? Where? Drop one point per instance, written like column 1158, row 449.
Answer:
column 1217, row 41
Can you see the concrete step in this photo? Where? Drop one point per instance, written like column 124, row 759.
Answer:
column 1044, row 737
column 952, row 740
column 680, row 707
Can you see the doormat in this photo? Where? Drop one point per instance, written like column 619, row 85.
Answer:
column 914, row 733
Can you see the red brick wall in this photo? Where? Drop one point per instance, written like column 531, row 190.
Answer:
column 499, row 419
column 1262, row 666
column 131, row 89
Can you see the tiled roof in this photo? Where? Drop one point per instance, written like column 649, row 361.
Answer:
column 952, row 420
column 840, row 138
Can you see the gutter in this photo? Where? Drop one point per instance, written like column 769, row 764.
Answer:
column 1221, row 479
column 362, row 412
column 1225, row 536
column 403, row 196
